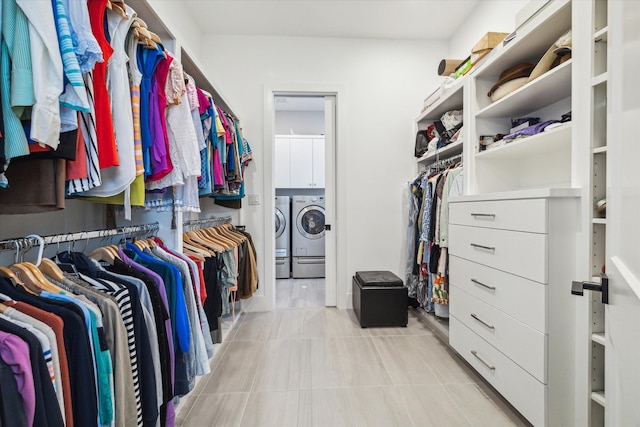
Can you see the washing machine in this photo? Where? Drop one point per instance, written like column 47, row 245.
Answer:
column 283, row 233
column 307, row 236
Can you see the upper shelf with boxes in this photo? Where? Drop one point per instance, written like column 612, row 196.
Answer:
column 440, row 132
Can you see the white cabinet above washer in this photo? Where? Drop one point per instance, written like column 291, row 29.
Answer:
column 299, row 161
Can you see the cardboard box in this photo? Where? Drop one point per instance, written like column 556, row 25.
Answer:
column 477, row 56
column 489, row 41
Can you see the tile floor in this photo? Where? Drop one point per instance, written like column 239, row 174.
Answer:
column 300, row 293
column 317, row 367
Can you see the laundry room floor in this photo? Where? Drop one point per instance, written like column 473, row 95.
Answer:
column 300, row 293
column 317, row 367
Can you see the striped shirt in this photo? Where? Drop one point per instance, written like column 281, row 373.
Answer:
column 75, row 94
column 88, row 130
column 135, row 78
column 122, row 298
column 15, row 60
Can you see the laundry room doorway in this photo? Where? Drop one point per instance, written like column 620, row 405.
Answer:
column 304, row 137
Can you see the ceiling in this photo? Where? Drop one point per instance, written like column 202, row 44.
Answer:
column 369, row 19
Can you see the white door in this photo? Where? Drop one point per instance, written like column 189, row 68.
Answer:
column 329, row 182
column 301, row 163
column 282, row 163
column 318, row 163
column 622, row 354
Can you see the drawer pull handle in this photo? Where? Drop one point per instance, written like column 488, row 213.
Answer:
column 489, row 248
column 483, row 215
column 488, row 365
column 493, row 288
column 475, row 316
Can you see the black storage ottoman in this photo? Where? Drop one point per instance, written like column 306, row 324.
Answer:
column 379, row 299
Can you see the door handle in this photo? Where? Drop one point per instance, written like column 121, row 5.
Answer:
column 489, row 248
column 577, row 287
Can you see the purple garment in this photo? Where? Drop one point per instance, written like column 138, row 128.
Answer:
column 15, row 353
column 160, row 160
column 531, row 130
column 171, row 414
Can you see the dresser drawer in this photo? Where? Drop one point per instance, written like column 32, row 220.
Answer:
column 522, row 390
column 521, row 343
column 521, row 298
column 519, row 253
column 519, row 215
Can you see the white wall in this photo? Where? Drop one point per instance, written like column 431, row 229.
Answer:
column 489, row 15
column 385, row 83
column 299, row 123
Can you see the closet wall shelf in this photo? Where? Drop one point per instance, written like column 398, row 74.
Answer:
column 534, row 193
column 543, row 91
column 450, row 100
column 600, row 150
column 600, row 79
column 441, row 153
column 598, row 397
column 531, row 41
column 600, row 221
column 601, row 35
column 545, row 142
column 598, row 337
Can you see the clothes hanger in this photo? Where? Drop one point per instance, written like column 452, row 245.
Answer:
column 39, row 280
column 51, row 269
column 9, row 274
column 195, row 241
column 187, row 251
column 29, row 282
column 117, row 7
column 103, row 253
column 225, row 230
column 212, row 235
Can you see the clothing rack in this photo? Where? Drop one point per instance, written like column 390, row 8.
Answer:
column 32, row 240
column 206, row 222
column 444, row 163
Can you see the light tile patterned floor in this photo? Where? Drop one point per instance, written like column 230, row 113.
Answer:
column 317, row 367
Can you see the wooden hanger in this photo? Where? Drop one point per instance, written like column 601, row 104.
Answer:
column 104, row 253
column 117, row 7
column 194, row 240
column 43, row 282
column 29, row 282
column 212, row 235
column 8, row 274
column 51, row 269
column 192, row 253
column 141, row 244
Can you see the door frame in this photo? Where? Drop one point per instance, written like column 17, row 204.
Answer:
column 335, row 259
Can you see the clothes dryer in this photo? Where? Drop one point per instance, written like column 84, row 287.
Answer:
column 307, row 236
column 283, row 233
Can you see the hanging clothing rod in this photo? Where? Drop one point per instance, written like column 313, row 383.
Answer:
column 206, row 222
column 32, row 241
column 445, row 162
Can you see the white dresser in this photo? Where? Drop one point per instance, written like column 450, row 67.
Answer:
column 512, row 259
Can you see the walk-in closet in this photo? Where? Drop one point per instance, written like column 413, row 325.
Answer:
column 319, row 213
